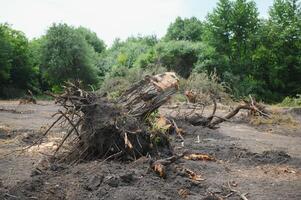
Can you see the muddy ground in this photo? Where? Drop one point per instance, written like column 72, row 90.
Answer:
column 264, row 163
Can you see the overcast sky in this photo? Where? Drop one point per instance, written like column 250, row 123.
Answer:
column 108, row 18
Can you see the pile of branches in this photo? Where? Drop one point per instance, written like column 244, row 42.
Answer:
column 102, row 128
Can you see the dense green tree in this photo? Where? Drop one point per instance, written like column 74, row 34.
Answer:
column 244, row 25
column 5, row 55
column 218, row 27
column 16, row 70
column 22, row 72
column 66, row 55
column 231, row 30
column 35, row 48
column 285, row 42
column 190, row 29
column 92, row 39
column 179, row 56
column 126, row 54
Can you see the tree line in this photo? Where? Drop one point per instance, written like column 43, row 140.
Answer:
column 250, row 54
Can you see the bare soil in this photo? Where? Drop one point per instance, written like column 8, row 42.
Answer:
column 262, row 163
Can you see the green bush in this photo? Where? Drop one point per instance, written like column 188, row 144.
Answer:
column 292, row 101
column 206, row 86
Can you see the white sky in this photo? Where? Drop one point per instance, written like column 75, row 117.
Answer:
column 108, row 18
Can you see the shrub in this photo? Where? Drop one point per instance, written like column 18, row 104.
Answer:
column 205, row 85
column 292, row 101
column 275, row 119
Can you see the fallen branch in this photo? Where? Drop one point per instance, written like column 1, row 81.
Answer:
column 241, row 195
column 228, row 116
column 212, row 121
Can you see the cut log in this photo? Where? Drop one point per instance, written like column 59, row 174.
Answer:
column 149, row 94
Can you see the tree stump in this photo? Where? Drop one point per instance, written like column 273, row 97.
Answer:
column 102, row 128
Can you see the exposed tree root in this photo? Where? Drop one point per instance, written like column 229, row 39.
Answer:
column 241, row 195
column 100, row 128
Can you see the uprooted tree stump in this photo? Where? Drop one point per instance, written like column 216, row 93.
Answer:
column 102, row 128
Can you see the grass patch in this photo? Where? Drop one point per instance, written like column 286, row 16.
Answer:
column 291, row 101
column 276, row 119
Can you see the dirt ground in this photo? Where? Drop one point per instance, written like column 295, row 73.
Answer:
column 261, row 163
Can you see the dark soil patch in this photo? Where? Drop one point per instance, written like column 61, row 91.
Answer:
column 249, row 158
column 109, row 180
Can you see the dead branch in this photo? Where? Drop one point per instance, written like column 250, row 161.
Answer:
column 241, row 195
column 177, row 129
column 228, row 116
column 259, row 108
column 212, row 121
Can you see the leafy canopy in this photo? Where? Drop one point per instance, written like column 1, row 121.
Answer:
column 66, row 55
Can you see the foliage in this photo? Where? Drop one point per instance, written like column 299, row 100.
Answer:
column 92, row 39
column 292, row 101
column 16, row 71
column 5, row 55
column 185, row 29
column 126, row 53
column 206, row 86
column 231, row 31
column 66, row 55
column 178, row 56
column 285, row 46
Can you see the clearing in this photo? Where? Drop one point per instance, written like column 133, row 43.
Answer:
column 261, row 163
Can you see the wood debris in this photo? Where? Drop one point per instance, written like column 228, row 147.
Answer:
column 199, row 156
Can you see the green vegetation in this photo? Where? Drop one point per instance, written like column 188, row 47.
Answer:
column 206, row 85
column 16, row 70
column 254, row 56
column 292, row 101
column 67, row 55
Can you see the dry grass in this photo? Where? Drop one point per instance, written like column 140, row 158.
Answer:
column 285, row 120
